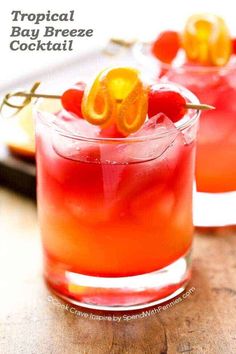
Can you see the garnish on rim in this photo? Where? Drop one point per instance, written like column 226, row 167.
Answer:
column 206, row 40
column 71, row 99
column 166, row 46
column 171, row 103
column 116, row 96
column 133, row 110
column 234, row 45
column 117, row 101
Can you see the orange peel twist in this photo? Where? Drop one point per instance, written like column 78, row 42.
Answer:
column 116, row 96
column 206, row 40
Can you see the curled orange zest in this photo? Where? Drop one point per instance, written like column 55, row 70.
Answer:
column 133, row 110
column 98, row 106
column 116, row 96
column 206, row 40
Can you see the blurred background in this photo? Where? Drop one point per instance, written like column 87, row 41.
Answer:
column 125, row 19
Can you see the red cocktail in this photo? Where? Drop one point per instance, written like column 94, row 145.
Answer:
column 202, row 59
column 216, row 149
column 116, row 213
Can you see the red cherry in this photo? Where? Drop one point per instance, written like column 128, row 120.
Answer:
column 234, row 45
column 166, row 46
column 171, row 103
column 72, row 98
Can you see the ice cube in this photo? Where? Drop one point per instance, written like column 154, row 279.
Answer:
column 152, row 154
column 158, row 124
column 69, row 135
column 76, row 126
column 152, row 139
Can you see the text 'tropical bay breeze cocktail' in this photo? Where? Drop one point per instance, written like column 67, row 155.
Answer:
column 115, row 164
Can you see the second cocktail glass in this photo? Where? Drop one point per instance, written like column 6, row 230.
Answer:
column 202, row 58
column 215, row 201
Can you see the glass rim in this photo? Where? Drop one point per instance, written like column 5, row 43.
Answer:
column 141, row 56
column 181, row 125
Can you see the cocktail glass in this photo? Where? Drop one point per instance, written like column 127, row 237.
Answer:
column 115, row 213
column 215, row 200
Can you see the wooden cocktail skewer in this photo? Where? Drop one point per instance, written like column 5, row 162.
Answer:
column 31, row 94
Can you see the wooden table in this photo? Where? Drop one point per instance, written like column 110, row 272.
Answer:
column 201, row 323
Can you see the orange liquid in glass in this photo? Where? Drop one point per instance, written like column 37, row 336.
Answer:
column 216, row 144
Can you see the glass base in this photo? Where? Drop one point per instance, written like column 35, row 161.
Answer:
column 214, row 209
column 118, row 294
